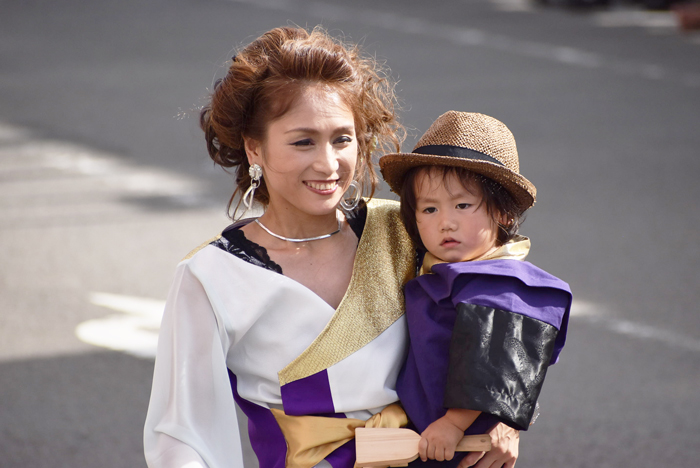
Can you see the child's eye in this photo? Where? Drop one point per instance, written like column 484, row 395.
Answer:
column 430, row 209
column 463, row 206
column 304, row 142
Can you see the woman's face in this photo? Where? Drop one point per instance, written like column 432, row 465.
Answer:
column 309, row 154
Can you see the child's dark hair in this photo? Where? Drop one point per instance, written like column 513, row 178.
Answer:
column 498, row 200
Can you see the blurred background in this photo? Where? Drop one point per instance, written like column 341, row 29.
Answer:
column 105, row 185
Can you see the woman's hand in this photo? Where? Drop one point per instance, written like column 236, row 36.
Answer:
column 505, row 442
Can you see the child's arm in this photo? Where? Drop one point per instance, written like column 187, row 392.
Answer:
column 439, row 440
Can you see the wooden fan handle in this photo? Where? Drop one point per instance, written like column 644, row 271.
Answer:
column 474, row 443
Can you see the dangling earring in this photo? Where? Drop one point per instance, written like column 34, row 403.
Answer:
column 347, row 203
column 255, row 172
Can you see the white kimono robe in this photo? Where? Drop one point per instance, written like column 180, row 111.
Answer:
column 232, row 328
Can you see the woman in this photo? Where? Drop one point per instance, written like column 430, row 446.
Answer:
column 298, row 314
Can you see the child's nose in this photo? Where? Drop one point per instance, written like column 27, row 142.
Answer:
column 447, row 224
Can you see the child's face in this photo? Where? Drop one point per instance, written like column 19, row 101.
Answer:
column 452, row 222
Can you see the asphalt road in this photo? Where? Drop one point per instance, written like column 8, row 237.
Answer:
column 105, row 185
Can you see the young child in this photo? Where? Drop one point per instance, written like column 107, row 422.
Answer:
column 484, row 325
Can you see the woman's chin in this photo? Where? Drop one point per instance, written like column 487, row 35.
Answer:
column 320, row 208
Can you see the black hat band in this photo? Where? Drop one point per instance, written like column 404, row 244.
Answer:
column 456, row 152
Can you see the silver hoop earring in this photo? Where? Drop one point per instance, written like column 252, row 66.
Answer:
column 255, row 172
column 347, row 203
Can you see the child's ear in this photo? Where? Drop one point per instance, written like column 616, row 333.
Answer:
column 502, row 219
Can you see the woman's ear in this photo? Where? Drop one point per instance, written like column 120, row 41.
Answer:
column 253, row 150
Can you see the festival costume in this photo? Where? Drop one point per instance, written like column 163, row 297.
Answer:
column 482, row 334
column 304, row 374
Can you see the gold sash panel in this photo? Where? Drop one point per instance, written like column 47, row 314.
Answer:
column 310, row 439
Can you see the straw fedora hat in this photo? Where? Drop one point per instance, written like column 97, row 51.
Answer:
column 474, row 141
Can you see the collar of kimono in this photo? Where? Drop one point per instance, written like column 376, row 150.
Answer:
column 310, row 439
column 370, row 305
column 515, row 249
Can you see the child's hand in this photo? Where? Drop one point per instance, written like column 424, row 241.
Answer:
column 439, row 440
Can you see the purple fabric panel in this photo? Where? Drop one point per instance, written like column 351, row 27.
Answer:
column 524, row 289
column 431, row 300
column 526, row 271
column 308, row 396
column 265, row 434
column 421, row 382
column 511, row 285
column 343, row 456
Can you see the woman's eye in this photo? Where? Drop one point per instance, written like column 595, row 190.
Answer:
column 343, row 139
column 304, row 142
column 463, row 206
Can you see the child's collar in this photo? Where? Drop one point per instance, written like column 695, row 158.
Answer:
column 515, row 249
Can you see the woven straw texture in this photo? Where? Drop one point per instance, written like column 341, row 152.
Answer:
column 477, row 132
column 473, row 131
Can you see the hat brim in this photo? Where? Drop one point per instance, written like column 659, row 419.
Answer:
column 394, row 167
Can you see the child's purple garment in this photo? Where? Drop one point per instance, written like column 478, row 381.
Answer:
column 482, row 335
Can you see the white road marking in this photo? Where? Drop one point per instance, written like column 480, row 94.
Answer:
column 49, row 179
column 513, row 5
column 636, row 18
column 134, row 332
column 596, row 315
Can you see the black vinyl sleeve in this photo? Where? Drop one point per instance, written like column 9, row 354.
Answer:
column 498, row 362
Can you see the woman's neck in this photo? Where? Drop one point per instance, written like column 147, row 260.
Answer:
column 324, row 266
column 299, row 226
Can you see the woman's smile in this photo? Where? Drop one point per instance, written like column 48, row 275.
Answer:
column 322, row 187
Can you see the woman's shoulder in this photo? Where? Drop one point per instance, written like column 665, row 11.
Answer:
column 385, row 241
column 235, row 246
column 197, row 249
column 378, row 214
column 383, row 205
column 386, row 213
column 217, row 238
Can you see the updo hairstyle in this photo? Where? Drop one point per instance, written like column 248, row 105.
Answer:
column 267, row 76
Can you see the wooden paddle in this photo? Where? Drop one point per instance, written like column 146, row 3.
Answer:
column 399, row 447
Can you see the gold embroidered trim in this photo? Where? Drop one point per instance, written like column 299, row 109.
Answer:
column 516, row 249
column 374, row 300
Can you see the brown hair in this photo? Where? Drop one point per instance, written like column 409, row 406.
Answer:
column 266, row 77
column 497, row 199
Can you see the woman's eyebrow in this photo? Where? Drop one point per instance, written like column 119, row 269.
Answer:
column 347, row 129
column 344, row 129
column 302, row 130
